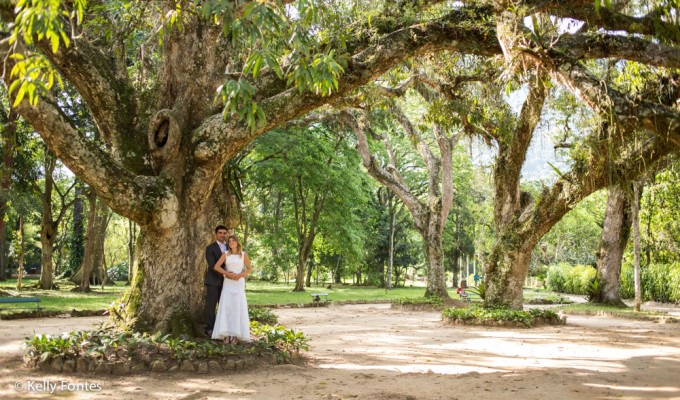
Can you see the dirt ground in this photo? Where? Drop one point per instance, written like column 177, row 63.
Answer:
column 373, row 352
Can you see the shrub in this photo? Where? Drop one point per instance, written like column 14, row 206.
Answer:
column 262, row 315
column 431, row 300
column 556, row 275
column 660, row 282
column 480, row 315
column 564, row 278
column 118, row 272
column 110, row 344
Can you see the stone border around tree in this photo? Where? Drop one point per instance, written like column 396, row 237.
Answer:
column 87, row 365
column 535, row 322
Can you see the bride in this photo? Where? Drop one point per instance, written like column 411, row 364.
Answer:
column 232, row 324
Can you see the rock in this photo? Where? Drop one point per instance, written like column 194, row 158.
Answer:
column 240, row 364
column 158, row 366
column 81, row 365
column 103, row 368
column 137, row 368
column 92, row 366
column 120, row 368
column 231, row 365
column 214, row 366
column 57, row 364
column 187, row 366
column 203, row 367
column 174, row 368
column 69, row 366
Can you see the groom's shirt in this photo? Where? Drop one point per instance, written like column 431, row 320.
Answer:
column 223, row 246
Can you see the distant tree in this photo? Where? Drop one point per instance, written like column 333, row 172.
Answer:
column 309, row 183
column 50, row 223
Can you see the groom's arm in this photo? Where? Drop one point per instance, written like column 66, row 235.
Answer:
column 212, row 256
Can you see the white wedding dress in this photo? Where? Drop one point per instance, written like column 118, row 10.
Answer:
column 232, row 312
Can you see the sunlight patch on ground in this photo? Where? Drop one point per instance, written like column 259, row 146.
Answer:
column 635, row 388
column 415, row 368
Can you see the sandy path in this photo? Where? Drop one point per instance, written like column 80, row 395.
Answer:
column 373, row 352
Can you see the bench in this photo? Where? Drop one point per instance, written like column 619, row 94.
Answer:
column 11, row 300
column 316, row 297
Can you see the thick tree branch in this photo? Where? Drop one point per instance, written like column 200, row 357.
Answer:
column 129, row 195
column 100, row 79
column 512, row 153
column 600, row 45
column 398, row 187
column 584, row 10
column 216, row 140
column 607, row 101
column 582, row 181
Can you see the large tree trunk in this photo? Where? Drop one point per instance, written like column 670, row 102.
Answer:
column 48, row 231
column 310, row 270
column 167, row 292
column 86, row 268
column 303, row 254
column 390, row 250
column 77, row 238
column 436, row 274
column 436, row 278
column 101, row 224
column 615, row 233
column 47, row 236
column 97, row 266
column 505, row 270
column 635, row 215
column 131, row 242
column 22, row 253
column 3, row 241
column 8, row 131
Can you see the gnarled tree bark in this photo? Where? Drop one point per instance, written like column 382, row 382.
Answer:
column 615, row 234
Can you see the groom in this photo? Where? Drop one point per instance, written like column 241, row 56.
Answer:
column 213, row 280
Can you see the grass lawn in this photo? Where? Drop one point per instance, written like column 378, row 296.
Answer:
column 64, row 299
column 267, row 293
column 537, row 295
column 257, row 292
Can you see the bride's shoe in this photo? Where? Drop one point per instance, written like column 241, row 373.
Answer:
column 226, row 340
column 235, row 340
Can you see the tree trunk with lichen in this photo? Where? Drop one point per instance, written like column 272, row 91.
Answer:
column 615, row 234
column 505, row 271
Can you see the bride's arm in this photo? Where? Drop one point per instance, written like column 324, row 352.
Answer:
column 246, row 263
column 218, row 268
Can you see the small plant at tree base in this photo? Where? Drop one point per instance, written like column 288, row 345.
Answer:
column 283, row 342
column 110, row 344
column 595, row 289
column 479, row 290
column 262, row 315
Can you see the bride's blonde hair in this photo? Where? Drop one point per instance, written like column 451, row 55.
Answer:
column 238, row 242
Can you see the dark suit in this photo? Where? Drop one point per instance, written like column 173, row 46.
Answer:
column 213, row 284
